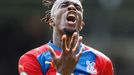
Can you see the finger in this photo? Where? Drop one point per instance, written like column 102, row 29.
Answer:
column 52, row 52
column 77, row 44
column 72, row 42
column 64, row 44
column 80, row 53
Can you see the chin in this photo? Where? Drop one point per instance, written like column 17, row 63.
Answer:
column 69, row 31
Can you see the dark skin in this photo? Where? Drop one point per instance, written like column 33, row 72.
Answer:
column 67, row 22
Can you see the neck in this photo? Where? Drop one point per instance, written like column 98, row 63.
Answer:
column 57, row 39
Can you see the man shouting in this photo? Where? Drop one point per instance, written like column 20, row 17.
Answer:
column 65, row 54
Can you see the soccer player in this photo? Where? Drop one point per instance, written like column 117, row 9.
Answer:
column 65, row 54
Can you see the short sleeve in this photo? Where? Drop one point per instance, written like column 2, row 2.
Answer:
column 108, row 69
column 28, row 65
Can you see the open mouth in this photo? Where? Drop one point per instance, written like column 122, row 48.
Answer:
column 71, row 18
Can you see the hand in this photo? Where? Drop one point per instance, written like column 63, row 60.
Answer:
column 66, row 62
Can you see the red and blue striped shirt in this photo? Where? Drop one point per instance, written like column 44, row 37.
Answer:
column 38, row 61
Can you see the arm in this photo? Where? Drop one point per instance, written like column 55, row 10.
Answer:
column 28, row 65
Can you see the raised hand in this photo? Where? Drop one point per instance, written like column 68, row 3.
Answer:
column 66, row 62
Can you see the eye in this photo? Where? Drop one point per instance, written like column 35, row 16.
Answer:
column 78, row 7
column 65, row 4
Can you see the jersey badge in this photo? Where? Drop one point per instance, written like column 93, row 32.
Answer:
column 90, row 67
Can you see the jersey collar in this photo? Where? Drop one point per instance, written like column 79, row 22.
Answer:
column 50, row 43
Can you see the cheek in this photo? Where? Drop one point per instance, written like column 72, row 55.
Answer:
column 80, row 21
column 57, row 15
column 79, row 17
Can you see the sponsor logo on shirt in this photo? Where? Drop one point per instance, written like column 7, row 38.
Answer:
column 48, row 62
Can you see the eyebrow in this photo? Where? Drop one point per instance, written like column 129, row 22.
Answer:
column 67, row 2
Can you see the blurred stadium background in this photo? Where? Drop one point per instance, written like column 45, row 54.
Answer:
column 109, row 28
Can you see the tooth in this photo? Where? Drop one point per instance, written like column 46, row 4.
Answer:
column 71, row 15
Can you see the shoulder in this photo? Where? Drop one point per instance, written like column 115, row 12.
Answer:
column 37, row 51
column 33, row 54
column 28, row 61
column 99, row 55
column 103, row 63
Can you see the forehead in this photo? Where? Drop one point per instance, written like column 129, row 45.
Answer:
column 58, row 2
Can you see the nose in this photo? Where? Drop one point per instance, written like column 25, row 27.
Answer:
column 71, row 7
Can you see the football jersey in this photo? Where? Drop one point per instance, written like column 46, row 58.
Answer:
column 39, row 61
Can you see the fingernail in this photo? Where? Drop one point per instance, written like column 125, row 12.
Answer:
column 63, row 37
column 80, row 37
column 75, row 33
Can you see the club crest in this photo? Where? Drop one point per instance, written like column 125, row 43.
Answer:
column 90, row 67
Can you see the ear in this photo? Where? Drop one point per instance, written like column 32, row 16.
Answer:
column 51, row 23
column 82, row 25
